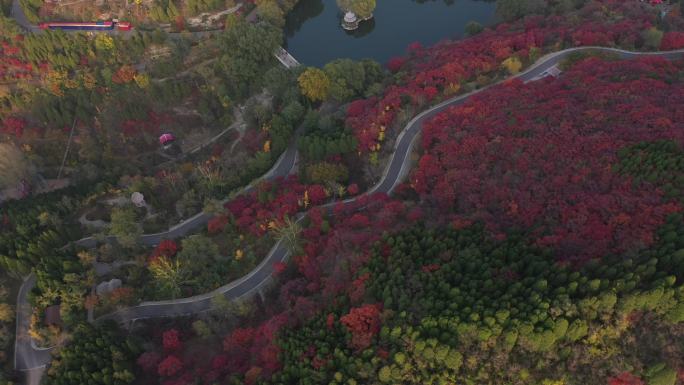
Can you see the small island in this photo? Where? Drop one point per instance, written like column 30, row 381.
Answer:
column 356, row 11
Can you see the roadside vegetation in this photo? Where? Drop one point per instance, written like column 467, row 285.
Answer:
column 373, row 297
column 106, row 100
column 166, row 15
column 7, row 313
column 537, row 240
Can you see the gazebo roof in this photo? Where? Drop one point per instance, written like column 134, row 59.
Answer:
column 166, row 138
column 349, row 17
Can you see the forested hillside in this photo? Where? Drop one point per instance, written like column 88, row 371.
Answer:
column 503, row 158
column 538, row 237
column 169, row 15
column 532, row 261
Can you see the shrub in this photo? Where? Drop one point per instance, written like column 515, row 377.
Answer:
column 665, row 376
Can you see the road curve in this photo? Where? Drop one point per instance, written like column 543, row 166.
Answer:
column 31, row 359
column 28, row 357
column 19, row 16
column 394, row 172
column 282, row 168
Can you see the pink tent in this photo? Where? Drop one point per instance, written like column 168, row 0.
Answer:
column 165, row 139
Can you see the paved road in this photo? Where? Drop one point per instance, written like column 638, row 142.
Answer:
column 283, row 167
column 393, row 175
column 396, row 169
column 18, row 15
column 32, row 360
column 26, row 355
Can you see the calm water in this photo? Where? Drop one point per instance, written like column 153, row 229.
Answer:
column 315, row 37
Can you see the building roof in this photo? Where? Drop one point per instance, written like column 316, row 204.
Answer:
column 349, row 17
column 166, row 138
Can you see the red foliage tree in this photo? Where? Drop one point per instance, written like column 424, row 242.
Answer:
column 672, row 40
column 170, row 366
column 240, row 337
column 330, row 321
column 625, row 378
column 394, row 64
column 217, row 224
column 358, row 288
column 430, row 268
column 317, row 194
column 364, row 323
column 13, row 126
column 125, row 74
column 122, row 295
column 359, row 221
column 279, row 267
column 167, row 248
column 171, row 340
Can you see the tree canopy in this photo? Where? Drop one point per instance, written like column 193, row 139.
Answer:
column 362, row 8
column 95, row 355
column 247, row 49
column 315, row 84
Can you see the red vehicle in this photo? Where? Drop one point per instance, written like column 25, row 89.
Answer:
column 123, row 25
column 88, row 26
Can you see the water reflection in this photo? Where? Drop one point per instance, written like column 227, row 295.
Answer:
column 365, row 27
column 315, row 37
column 303, row 11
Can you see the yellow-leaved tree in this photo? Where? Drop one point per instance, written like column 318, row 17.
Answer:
column 314, row 84
column 512, row 64
column 169, row 275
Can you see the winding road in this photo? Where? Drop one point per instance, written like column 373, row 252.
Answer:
column 32, row 359
column 27, row 357
column 395, row 171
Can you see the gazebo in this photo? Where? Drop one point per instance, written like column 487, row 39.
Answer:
column 350, row 21
column 166, row 139
column 138, row 199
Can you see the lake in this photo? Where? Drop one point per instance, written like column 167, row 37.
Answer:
column 314, row 35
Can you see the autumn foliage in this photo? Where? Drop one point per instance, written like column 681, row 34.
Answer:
column 166, row 248
column 125, row 74
column 364, row 323
column 447, row 66
column 171, row 340
column 170, row 366
column 625, row 378
column 672, row 40
column 150, row 125
column 269, row 204
column 534, row 156
column 13, row 65
column 539, row 156
column 13, row 126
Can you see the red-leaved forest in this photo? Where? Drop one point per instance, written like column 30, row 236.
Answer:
column 541, row 159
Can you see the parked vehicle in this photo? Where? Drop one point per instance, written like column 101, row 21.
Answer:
column 88, row 26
